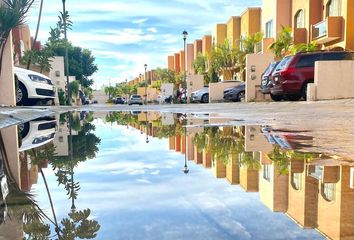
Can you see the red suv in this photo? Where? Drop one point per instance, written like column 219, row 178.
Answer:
column 293, row 73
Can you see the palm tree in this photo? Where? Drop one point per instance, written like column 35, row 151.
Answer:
column 281, row 46
column 12, row 15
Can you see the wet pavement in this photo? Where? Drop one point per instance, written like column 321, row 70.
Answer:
column 161, row 175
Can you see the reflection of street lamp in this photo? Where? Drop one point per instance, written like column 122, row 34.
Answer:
column 147, row 137
column 145, row 66
column 185, row 169
column 185, row 34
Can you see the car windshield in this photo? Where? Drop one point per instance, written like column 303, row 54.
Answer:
column 283, row 63
column 135, row 96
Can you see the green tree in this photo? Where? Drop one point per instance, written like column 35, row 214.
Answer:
column 200, row 64
column 12, row 14
column 304, row 47
column 281, row 46
column 165, row 75
column 74, row 86
column 41, row 58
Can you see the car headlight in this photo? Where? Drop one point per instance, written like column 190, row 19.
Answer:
column 36, row 78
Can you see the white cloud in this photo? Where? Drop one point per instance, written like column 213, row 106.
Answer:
column 139, row 21
column 152, row 29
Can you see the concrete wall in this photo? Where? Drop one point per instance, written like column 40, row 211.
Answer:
column 150, row 93
column 333, row 80
column 216, row 90
column 57, row 75
column 255, row 66
column 194, row 82
column 166, row 90
column 255, row 140
column 7, row 81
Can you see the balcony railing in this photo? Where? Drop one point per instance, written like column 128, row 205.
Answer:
column 319, row 30
column 328, row 30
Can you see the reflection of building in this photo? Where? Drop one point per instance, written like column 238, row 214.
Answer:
column 302, row 205
column 273, row 186
column 335, row 201
column 233, row 169
column 249, row 179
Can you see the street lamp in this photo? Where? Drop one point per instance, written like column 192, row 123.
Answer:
column 145, row 66
column 185, row 34
column 185, row 168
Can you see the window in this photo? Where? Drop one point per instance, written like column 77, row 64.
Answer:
column 308, row 60
column 328, row 191
column 337, row 56
column 333, row 8
column 266, row 171
column 300, row 19
column 269, row 29
column 296, row 180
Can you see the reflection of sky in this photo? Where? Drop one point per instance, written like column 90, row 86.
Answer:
column 138, row 191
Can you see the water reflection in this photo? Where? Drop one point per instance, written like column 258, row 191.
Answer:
column 145, row 175
column 28, row 149
column 313, row 189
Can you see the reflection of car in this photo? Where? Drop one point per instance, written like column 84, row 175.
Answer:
column 37, row 133
column 120, row 100
column 293, row 73
column 201, row 95
column 4, row 190
column 267, row 78
column 136, row 99
column 235, row 94
column 32, row 85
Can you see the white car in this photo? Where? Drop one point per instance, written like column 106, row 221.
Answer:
column 37, row 133
column 32, row 85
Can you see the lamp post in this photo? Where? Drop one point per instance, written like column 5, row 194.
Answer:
column 145, row 67
column 185, row 34
column 185, row 168
column 128, row 88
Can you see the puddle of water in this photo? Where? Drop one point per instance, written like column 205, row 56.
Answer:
column 149, row 175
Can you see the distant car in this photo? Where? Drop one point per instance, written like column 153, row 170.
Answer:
column 235, row 94
column 32, row 86
column 135, row 99
column 37, row 133
column 120, row 100
column 267, row 77
column 201, row 95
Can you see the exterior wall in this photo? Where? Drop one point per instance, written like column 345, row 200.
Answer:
column 7, row 81
column 198, row 47
column 218, row 168
column 177, row 63
column 250, row 21
column 334, row 220
column 182, row 59
column 274, row 192
column 194, row 82
column 216, row 90
column 234, row 32
column 171, row 143
column 255, row 66
column 190, row 147
column 171, row 63
column 326, row 72
column 190, row 58
column 12, row 230
column 255, row 140
column 150, row 93
column 57, row 75
column 233, row 169
column 219, row 34
column 166, row 90
column 9, row 137
column 206, row 159
column 249, row 179
column 206, row 44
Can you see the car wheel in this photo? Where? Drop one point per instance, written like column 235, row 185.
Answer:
column 23, row 129
column 205, row 98
column 21, row 94
column 241, row 96
column 304, row 91
column 276, row 98
column 293, row 97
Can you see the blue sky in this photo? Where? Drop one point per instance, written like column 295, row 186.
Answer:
column 124, row 35
column 138, row 191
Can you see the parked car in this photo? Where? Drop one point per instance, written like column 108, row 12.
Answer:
column 120, row 100
column 267, row 77
column 201, row 95
column 136, row 99
column 37, row 133
column 235, row 94
column 293, row 73
column 32, row 86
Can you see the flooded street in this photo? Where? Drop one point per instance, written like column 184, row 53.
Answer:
column 161, row 175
